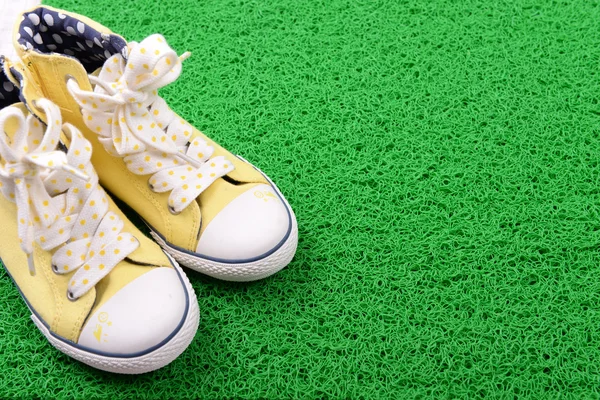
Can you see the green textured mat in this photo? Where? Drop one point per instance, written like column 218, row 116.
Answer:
column 443, row 162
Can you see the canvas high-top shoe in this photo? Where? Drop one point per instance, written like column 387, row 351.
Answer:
column 212, row 211
column 98, row 289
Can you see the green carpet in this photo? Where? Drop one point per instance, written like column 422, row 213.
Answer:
column 442, row 159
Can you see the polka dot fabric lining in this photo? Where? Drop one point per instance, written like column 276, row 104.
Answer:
column 9, row 94
column 48, row 31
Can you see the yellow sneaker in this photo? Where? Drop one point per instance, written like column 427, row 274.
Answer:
column 98, row 289
column 212, row 211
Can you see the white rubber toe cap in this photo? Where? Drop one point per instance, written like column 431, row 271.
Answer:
column 138, row 317
column 250, row 226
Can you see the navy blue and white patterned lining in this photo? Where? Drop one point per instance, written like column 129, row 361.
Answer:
column 49, row 31
column 9, row 93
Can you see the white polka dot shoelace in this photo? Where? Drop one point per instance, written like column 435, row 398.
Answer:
column 59, row 202
column 133, row 122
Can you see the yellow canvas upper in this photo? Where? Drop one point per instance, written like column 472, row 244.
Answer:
column 46, row 291
column 45, row 75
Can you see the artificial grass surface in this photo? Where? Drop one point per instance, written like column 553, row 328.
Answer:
column 442, row 161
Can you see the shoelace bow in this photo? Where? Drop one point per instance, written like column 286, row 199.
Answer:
column 59, row 202
column 133, row 122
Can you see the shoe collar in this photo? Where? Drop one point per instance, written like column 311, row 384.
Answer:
column 51, row 31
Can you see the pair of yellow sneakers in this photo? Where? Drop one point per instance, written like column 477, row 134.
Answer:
column 80, row 113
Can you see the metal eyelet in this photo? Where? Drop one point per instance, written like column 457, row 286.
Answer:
column 172, row 211
column 150, row 186
column 70, row 296
column 55, row 268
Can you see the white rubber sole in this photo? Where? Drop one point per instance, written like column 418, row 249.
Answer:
column 244, row 272
column 140, row 364
column 240, row 272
